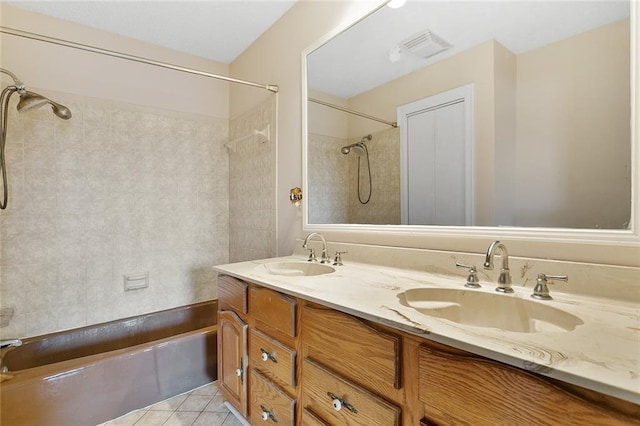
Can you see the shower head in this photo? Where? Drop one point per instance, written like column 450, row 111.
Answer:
column 31, row 100
column 357, row 148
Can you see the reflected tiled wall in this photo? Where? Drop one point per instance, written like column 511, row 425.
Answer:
column 118, row 189
column 328, row 186
column 333, row 180
column 384, row 156
column 252, row 183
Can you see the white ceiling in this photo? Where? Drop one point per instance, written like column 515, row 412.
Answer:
column 358, row 59
column 214, row 29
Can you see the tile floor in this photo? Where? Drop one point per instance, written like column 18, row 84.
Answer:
column 198, row 407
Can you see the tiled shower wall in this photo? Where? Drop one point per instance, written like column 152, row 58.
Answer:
column 118, row 189
column 252, row 183
column 333, row 180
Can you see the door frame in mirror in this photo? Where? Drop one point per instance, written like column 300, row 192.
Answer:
column 613, row 247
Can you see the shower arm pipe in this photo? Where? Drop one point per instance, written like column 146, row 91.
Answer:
column 85, row 47
column 393, row 124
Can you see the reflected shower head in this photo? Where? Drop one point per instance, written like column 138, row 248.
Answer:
column 31, row 100
column 358, row 148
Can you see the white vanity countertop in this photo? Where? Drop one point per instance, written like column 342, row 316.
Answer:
column 603, row 354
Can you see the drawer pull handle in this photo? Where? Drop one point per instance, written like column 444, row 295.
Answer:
column 266, row 356
column 338, row 403
column 267, row 415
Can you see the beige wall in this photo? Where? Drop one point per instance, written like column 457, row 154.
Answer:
column 505, row 70
column 574, row 129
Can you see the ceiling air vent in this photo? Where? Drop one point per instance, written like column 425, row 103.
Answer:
column 425, row 44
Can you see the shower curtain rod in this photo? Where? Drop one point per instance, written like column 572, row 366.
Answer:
column 393, row 124
column 60, row 42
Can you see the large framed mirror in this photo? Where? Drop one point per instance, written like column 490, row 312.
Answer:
column 474, row 118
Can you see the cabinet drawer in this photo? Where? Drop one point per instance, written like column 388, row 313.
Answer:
column 466, row 389
column 342, row 402
column 269, row 404
column 232, row 294
column 273, row 309
column 309, row 418
column 273, row 357
column 352, row 348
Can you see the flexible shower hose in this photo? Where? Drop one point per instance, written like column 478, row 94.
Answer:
column 366, row 151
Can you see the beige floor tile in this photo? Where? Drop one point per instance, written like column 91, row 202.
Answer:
column 210, row 419
column 154, row 418
column 216, row 405
column 182, row 418
column 231, row 420
column 195, row 403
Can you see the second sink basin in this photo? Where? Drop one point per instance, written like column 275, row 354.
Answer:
column 484, row 309
column 297, row 269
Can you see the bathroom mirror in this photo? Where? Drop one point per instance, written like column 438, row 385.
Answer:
column 545, row 127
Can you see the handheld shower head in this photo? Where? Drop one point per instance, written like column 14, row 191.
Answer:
column 30, row 100
column 359, row 148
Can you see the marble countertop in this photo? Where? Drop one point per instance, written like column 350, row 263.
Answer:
column 602, row 354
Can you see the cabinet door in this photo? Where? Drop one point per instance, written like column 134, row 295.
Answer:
column 232, row 359
column 465, row 389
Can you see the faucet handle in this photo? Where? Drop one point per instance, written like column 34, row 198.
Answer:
column 541, row 291
column 337, row 260
column 312, row 255
column 472, row 278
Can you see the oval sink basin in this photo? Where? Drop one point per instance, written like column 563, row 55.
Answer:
column 298, row 269
column 494, row 310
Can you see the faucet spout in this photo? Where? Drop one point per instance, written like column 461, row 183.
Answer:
column 504, row 279
column 325, row 255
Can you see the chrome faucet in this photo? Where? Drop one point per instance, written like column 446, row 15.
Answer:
column 504, row 279
column 324, row 257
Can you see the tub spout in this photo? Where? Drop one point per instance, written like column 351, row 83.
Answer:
column 10, row 343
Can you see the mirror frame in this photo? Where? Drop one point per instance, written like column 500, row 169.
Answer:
column 614, row 247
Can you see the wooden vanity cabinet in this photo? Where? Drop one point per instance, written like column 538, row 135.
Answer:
column 461, row 388
column 298, row 363
column 257, row 351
